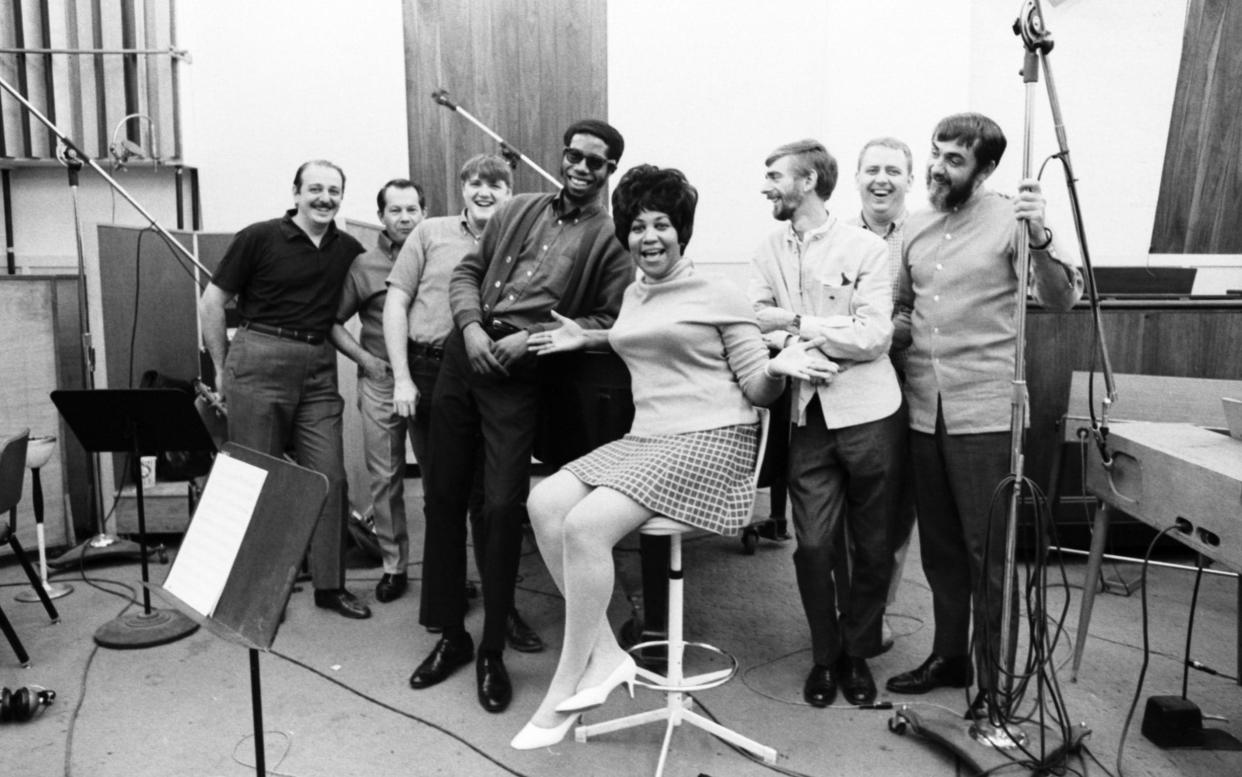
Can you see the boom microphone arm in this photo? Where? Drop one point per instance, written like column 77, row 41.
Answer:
column 509, row 152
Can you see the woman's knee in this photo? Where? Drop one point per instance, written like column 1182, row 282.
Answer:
column 549, row 501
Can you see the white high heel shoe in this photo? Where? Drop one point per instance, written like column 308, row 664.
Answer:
column 533, row 737
column 625, row 673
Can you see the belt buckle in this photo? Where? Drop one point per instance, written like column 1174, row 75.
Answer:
column 499, row 327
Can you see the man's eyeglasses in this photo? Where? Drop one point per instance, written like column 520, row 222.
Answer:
column 594, row 163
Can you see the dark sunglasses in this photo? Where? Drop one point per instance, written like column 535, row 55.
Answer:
column 594, row 163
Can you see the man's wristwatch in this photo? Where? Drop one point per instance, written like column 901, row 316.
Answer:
column 797, row 323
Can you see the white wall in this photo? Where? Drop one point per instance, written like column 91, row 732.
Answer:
column 711, row 87
column 708, row 86
column 277, row 82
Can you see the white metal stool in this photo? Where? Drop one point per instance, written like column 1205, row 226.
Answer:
column 675, row 685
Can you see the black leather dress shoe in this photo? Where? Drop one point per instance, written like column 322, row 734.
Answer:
column 445, row 658
column 857, row 684
column 935, row 672
column 820, row 688
column 343, row 602
column 391, row 587
column 521, row 637
column 495, row 690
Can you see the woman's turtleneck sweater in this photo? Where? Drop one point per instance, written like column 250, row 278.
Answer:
column 694, row 352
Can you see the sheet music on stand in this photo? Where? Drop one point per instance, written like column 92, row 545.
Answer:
column 214, row 537
column 241, row 552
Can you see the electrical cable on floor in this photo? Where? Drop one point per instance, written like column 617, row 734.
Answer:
column 77, row 708
column 1097, row 761
column 271, row 769
column 1048, row 711
column 398, row 711
column 746, row 753
column 1138, row 689
column 1190, row 624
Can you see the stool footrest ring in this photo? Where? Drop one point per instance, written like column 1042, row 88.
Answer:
column 700, row 682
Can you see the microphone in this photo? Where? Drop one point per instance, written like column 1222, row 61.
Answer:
column 441, row 96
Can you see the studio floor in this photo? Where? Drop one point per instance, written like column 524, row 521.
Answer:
column 335, row 698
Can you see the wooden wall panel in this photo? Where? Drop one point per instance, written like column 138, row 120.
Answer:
column 525, row 68
column 36, row 79
column 1197, row 212
column 1191, row 339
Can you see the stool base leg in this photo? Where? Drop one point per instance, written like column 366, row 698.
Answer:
column 677, row 711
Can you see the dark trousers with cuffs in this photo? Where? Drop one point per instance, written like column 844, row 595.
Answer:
column 961, row 520
column 839, row 477
column 500, row 414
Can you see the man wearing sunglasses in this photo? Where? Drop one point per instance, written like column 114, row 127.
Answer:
column 540, row 253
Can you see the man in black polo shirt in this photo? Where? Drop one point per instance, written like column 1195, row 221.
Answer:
column 278, row 376
column 541, row 252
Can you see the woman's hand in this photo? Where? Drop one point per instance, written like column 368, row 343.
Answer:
column 569, row 336
column 796, row 362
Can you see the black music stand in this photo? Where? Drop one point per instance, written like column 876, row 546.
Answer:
column 140, row 422
column 245, row 605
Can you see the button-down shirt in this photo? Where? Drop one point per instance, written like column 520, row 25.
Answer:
column 836, row 277
column 530, row 283
column 895, row 237
column 960, row 280
column 576, row 264
column 422, row 271
column 364, row 293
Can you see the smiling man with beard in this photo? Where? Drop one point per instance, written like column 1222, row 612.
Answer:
column 278, row 376
column 540, row 253
column 819, row 277
column 960, row 283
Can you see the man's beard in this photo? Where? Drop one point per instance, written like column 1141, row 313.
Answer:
column 784, row 208
column 945, row 196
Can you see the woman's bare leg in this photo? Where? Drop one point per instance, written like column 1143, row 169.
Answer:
column 589, row 652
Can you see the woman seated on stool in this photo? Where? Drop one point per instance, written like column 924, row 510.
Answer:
column 697, row 365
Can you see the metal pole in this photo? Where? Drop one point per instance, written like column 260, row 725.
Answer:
column 174, row 52
column 1017, row 419
column 441, row 97
column 74, row 150
column 1071, row 185
column 256, row 703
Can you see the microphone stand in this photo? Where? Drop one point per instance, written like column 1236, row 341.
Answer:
column 102, row 543
column 509, row 152
column 991, row 742
column 73, row 150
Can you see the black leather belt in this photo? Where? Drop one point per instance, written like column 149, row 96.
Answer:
column 426, row 351
column 302, row 335
column 497, row 328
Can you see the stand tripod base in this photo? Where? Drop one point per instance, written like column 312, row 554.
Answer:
column 53, row 591
column 1000, row 737
column 101, row 547
column 949, row 730
column 140, row 630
